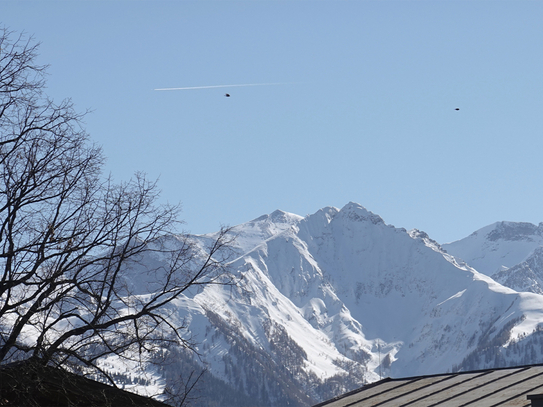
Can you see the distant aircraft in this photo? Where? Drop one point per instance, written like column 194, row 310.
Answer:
column 227, row 95
column 457, row 108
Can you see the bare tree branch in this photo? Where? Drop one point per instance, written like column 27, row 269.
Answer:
column 71, row 241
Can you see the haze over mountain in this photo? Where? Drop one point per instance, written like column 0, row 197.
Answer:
column 339, row 298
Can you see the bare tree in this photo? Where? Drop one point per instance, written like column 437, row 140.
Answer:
column 71, row 240
column 183, row 394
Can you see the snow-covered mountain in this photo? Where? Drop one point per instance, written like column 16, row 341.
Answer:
column 331, row 301
column 509, row 252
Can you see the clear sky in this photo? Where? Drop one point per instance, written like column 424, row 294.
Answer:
column 365, row 111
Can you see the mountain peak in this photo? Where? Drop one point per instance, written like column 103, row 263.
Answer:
column 514, row 231
column 499, row 246
column 358, row 213
column 278, row 216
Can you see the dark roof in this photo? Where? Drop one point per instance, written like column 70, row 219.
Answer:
column 31, row 384
column 504, row 387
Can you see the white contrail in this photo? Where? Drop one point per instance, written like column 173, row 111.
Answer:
column 224, row 86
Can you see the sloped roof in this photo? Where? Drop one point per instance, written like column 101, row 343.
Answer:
column 506, row 387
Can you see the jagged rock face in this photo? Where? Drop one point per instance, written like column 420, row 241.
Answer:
column 525, row 276
column 514, row 231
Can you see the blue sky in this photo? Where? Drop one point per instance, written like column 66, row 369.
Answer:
column 366, row 111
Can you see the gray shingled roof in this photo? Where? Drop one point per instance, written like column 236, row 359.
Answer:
column 507, row 387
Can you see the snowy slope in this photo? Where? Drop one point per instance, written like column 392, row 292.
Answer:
column 328, row 302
